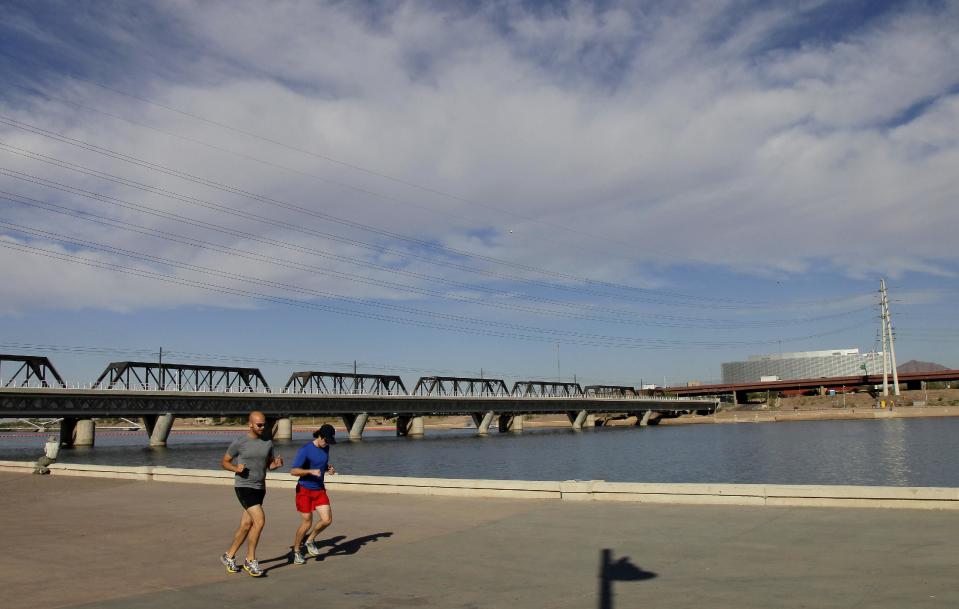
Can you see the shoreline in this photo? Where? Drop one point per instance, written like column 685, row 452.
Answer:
column 934, row 403
column 724, row 417
column 162, row 542
column 600, row 491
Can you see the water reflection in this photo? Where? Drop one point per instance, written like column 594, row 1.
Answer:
column 892, row 449
column 894, row 452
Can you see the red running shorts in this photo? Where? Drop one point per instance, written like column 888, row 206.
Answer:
column 307, row 499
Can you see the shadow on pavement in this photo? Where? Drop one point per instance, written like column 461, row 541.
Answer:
column 621, row 571
column 335, row 547
column 352, row 546
column 286, row 558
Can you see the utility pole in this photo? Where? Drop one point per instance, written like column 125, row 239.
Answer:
column 887, row 340
column 892, row 348
column 161, row 369
column 885, row 350
column 559, row 376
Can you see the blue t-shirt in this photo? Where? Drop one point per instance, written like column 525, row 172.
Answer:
column 312, row 457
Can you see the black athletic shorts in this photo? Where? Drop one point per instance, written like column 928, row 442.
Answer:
column 249, row 496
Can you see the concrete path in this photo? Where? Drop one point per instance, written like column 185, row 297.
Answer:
column 114, row 543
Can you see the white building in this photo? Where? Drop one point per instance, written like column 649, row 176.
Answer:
column 803, row 365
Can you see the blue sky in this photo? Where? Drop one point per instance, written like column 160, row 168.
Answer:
column 620, row 192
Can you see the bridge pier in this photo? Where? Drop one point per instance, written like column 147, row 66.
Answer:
column 577, row 418
column 77, row 432
column 482, row 421
column 355, row 423
column 590, row 420
column 649, row 417
column 67, row 428
column 283, row 429
column 158, row 428
column 407, row 425
column 511, row 422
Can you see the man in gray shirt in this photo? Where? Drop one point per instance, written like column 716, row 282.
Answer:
column 249, row 457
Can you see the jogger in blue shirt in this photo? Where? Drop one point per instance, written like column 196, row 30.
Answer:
column 311, row 464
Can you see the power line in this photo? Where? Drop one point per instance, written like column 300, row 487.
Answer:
column 333, row 160
column 507, row 330
column 672, row 321
column 146, row 352
column 327, row 217
column 245, row 156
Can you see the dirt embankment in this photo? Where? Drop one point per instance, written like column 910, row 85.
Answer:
column 931, row 403
column 909, row 404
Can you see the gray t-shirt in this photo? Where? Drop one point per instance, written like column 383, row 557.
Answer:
column 255, row 454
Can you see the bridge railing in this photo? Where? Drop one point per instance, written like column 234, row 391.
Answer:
column 344, row 383
column 546, row 389
column 27, row 369
column 610, row 391
column 460, row 387
column 67, row 386
column 174, row 377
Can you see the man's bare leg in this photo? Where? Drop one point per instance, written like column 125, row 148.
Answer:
column 325, row 513
column 258, row 518
column 306, row 521
column 241, row 534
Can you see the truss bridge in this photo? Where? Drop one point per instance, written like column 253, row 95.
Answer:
column 158, row 393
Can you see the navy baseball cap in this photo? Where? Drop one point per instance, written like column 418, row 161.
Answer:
column 326, row 432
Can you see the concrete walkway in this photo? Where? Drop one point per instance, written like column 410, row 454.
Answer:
column 120, row 543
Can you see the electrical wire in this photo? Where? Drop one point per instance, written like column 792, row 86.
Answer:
column 506, row 330
column 295, row 227
column 136, row 161
column 672, row 321
column 329, row 159
column 311, row 365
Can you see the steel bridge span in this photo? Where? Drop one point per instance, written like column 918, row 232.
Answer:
column 158, row 393
column 77, row 408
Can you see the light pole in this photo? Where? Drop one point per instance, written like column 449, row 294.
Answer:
column 559, row 376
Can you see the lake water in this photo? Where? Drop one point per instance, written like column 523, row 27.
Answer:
column 890, row 452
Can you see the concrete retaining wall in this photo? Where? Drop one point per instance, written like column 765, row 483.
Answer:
column 569, row 490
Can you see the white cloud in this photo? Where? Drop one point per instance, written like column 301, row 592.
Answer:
column 612, row 123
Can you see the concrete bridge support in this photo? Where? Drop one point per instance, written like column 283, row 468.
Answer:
column 482, row 421
column 77, row 432
column 649, row 417
column 409, row 426
column 577, row 418
column 590, row 420
column 355, row 423
column 511, row 422
column 67, row 427
column 283, row 429
column 158, row 428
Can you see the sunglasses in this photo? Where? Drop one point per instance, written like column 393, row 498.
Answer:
column 259, row 424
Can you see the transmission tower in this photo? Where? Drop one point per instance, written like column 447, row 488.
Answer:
column 888, row 344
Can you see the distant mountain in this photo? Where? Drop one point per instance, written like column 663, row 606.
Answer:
column 917, row 366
